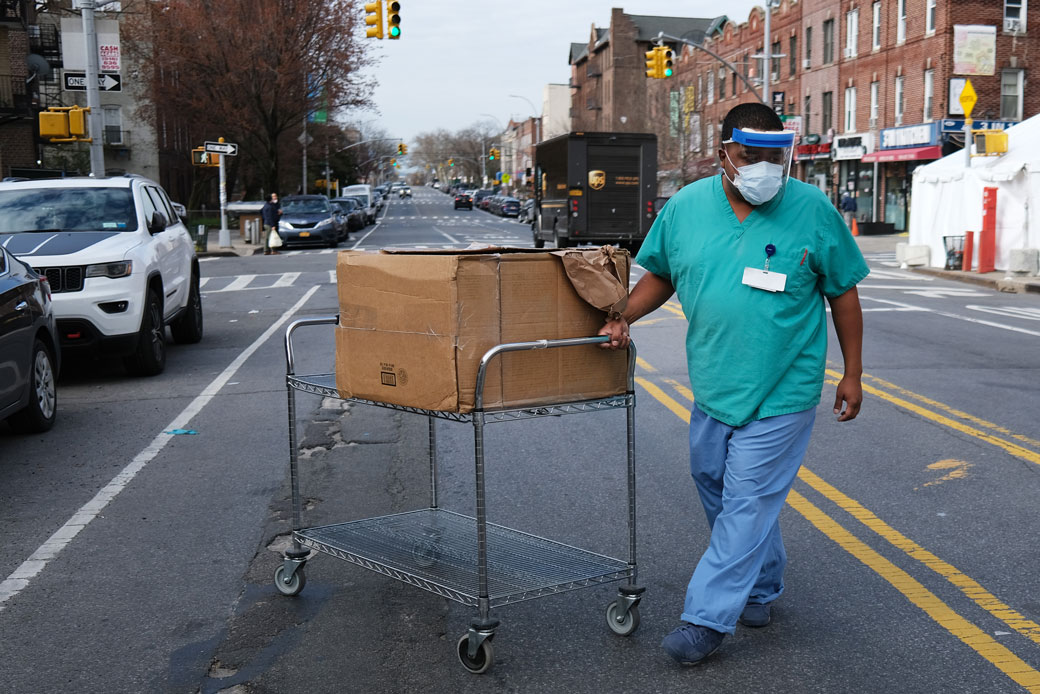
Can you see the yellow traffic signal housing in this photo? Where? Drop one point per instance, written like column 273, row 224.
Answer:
column 54, row 124
column 200, row 157
column 374, row 20
column 400, row 149
column 393, row 19
column 990, row 143
column 451, row 162
column 493, row 154
column 666, row 61
column 320, row 183
column 78, row 121
column 404, row 149
column 651, row 62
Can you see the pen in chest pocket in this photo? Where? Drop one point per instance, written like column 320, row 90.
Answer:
column 804, row 254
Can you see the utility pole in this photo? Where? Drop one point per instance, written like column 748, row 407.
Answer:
column 97, row 152
column 303, row 189
column 767, row 60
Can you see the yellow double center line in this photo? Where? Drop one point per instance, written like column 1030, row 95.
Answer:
column 997, row 654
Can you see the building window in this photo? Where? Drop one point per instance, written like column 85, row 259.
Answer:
column 722, row 83
column 929, row 17
column 113, row 121
column 1011, row 94
column 793, row 53
column 929, row 93
column 901, row 26
column 776, row 61
column 733, row 78
column 806, row 114
column 747, row 68
column 699, row 96
column 828, row 105
column 899, row 101
column 874, row 90
column 709, row 129
column 828, row 42
column 851, row 33
column 1015, row 16
column 710, row 91
column 851, row 109
column 875, row 40
column 808, row 47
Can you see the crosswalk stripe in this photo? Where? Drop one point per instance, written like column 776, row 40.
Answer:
column 286, row 280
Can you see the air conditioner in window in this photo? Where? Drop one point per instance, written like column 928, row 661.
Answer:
column 806, row 64
column 1012, row 26
column 873, row 122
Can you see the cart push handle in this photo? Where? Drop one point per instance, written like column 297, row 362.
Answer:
column 290, row 360
column 478, row 400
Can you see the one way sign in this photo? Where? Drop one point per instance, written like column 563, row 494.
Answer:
column 228, row 148
column 108, row 82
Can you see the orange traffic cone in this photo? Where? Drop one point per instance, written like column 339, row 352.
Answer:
column 855, row 227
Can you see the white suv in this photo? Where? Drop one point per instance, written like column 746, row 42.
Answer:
column 119, row 260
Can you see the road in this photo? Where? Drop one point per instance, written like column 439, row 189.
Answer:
column 139, row 560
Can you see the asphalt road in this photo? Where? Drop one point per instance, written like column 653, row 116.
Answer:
column 140, row 561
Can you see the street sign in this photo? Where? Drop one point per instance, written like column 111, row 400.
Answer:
column 228, row 148
column 77, row 82
column 968, row 98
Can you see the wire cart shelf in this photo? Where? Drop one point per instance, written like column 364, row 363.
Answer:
column 465, row 558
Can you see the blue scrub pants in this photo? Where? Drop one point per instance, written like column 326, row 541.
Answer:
column 743, row 475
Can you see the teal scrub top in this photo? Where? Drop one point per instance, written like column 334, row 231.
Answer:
column 752, row 353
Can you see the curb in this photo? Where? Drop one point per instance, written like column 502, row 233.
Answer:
column 1012, row 285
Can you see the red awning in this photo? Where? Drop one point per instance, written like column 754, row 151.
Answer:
column 905, row 154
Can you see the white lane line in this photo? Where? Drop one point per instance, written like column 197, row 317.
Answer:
column 946, row 314
column 286, row 280
column 332, row 277
column 239, row 283
column 31, row 567
column 203, row 281
column 447, row 236
column 362, row 239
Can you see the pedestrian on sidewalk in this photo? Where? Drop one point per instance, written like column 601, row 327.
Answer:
column 752, row 255
column 848, row 208
column 271, row 212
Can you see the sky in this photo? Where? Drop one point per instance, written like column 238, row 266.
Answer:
column 458, row 62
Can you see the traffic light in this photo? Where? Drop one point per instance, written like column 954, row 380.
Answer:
column 666, row 61
column 451, row 162
column 393, row 162
column 393, row 19
column 404, row 149
column 200, row 157
column 374, row 20
column 400, row 149
column 493, row 154
column 651, row 62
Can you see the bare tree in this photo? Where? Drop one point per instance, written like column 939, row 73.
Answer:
column 250, row 70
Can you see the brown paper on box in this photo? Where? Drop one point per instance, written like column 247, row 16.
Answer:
column 414, row 325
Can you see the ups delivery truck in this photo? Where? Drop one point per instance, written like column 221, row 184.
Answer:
column 595, row 188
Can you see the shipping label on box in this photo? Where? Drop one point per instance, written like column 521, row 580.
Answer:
column 414, row 326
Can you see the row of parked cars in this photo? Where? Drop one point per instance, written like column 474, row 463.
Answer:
column 315, row 219
column 101, row 265
column 486, row 199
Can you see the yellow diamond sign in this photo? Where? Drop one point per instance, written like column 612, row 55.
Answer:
column 968, row 98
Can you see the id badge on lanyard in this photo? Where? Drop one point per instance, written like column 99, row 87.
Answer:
column 763, row 278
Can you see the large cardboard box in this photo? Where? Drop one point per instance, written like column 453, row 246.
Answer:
column 414, row 325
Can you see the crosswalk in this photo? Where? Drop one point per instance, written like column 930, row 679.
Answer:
column 282, row 280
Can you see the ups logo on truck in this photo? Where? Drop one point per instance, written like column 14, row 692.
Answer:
column 597, row 179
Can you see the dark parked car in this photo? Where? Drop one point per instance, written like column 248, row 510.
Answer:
column 353, row 215
column 508, row 207
column 480, row 195
column 309, row 219
column 463, row 200
column 29, row 358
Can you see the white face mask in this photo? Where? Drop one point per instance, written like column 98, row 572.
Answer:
column 757, row 183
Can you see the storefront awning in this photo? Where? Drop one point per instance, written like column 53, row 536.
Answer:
column 905, row 154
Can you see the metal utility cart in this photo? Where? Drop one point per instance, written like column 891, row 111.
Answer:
column 463, row 558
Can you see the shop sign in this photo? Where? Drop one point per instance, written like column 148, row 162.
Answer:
column 910, row 136
column 853, row 145
column 792, row 124
column 956, row 125
column 810, row 152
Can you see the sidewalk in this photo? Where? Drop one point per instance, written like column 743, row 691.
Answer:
column 239, row 246
column 1000, row 280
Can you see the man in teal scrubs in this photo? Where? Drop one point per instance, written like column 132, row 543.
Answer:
column 751, row 255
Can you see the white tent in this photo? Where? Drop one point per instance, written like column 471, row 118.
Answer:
column 947, row 197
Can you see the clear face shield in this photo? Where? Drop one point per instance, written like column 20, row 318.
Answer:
column 762, row 160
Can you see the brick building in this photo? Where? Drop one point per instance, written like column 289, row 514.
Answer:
column 608, row 73
column 872, row 88
column 17, row 130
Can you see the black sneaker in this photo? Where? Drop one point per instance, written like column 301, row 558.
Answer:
column 755, row 615
column 691, row 643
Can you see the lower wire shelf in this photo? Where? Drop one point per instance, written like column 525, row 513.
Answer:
column 436, row 550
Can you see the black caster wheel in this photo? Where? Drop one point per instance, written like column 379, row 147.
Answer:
column 484, row 659
column 294, row 585
column 622, row 626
